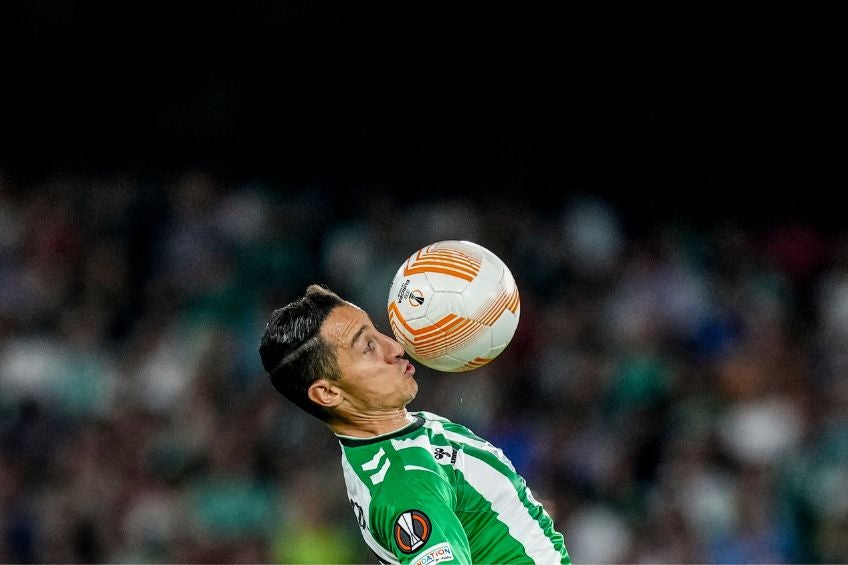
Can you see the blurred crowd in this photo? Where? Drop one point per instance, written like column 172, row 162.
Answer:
column 676, row 391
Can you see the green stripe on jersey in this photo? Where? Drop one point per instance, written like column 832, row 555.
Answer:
column 460, row 490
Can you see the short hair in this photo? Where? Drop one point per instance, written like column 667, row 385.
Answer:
column 293, row 352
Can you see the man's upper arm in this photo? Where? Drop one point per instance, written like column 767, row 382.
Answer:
column 415, row 520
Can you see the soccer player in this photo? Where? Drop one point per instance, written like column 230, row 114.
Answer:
column 423, row 489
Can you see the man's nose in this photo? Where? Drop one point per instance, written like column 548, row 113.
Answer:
column 394, row 349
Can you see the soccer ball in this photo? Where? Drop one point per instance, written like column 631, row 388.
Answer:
column 454, row 306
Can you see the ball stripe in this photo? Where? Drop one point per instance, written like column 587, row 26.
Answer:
column 473, row 364
column 452, row 341
column 394, row 314
column 443, row 261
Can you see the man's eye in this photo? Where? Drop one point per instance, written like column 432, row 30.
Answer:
column 369, row 346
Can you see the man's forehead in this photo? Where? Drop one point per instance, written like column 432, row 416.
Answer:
column 342, row 323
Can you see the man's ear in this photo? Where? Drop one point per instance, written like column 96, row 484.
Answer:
column 324, row 393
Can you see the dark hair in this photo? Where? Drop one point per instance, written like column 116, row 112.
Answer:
column 292, row 350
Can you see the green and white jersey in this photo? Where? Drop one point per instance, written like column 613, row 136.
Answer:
column 433, row 491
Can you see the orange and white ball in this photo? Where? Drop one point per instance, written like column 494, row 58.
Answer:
column 454, row 306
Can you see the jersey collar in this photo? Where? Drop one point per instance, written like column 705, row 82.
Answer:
column 358, row 441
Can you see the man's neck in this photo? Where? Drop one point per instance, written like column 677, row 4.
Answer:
column 371, row 425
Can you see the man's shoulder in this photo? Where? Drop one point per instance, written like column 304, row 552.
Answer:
column 431, row 417
column 393, row 458
column 439, row 425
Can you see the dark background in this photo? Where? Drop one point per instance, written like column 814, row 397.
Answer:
column 699, row 110
column 666, row 185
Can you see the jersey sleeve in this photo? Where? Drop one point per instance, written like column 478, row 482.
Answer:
column 415, row 520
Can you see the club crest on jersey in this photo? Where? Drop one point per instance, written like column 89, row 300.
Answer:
column 412, row 530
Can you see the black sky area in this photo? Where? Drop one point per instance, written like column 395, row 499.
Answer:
column 690, row 110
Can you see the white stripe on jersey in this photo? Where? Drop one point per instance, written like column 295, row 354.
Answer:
column 498, row 490
column 378, row 477
column 417, row 468
column 359, row 492
column 487, row 481
column 371, row 465
column 421, row 441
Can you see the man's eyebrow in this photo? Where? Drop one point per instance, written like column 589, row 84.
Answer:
column 357, row 334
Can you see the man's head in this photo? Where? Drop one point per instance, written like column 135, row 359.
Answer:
column 292, row 350
column 326, row 356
